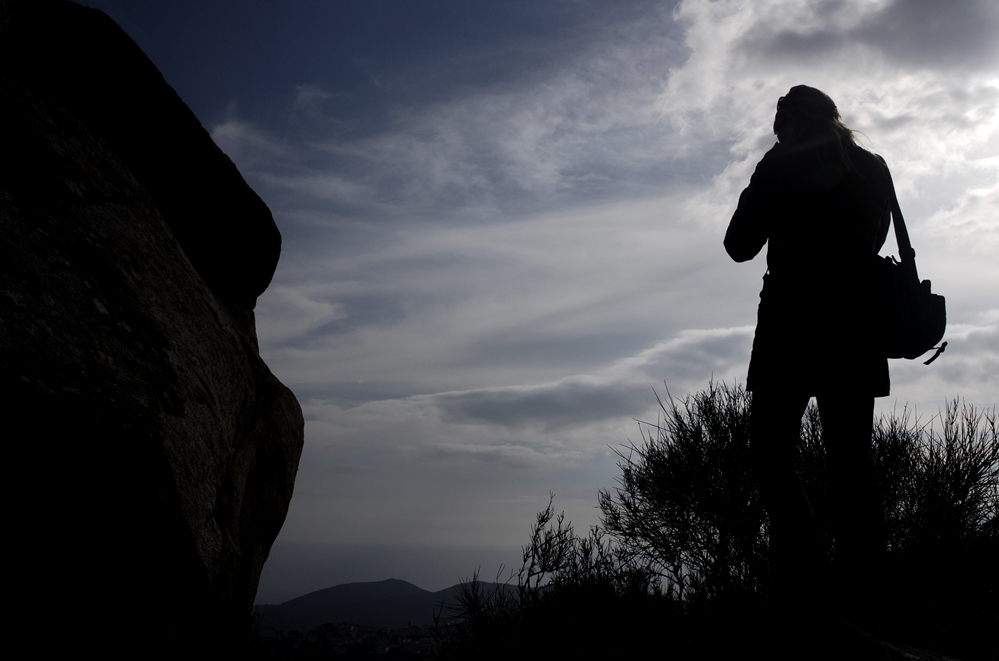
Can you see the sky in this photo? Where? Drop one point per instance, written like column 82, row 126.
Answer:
column 502, row 233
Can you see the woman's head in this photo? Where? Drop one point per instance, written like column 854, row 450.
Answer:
column 805, row 112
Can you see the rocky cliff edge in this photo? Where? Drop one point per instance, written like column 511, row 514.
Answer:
column 152, row 451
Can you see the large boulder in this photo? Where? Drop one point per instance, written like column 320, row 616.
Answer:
column 77, row 58
column 152, row 452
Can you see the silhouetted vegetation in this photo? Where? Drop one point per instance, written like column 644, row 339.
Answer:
column 682, row 544
column 686, row 500
column 687, row 503
column 568, row 587
column 342, row 641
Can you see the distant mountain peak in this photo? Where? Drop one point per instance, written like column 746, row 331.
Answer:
column 390, row 603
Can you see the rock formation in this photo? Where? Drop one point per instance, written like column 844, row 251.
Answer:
column 153, row 451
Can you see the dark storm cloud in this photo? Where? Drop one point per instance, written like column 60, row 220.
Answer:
column 696, row 353
column 937, row 34
column 370, row 56
column 880, row 122
column 810, row 44
column 910, row 33
column 589, row 348
column 476, row 108
column 572, row 403
column 972, row 355
column 624, row 390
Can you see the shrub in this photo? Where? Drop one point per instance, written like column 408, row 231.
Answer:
column 567, row 588
column 685, row 527
column 939, row 487
column 687, row 503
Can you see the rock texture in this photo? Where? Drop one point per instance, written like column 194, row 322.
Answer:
column 80, row 60
column 153, row 453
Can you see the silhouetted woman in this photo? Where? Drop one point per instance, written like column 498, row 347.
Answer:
column 822, row 204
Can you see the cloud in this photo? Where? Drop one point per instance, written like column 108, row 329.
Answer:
column 580, row 126
column 959, row 34
column 618, row 392
column 573, row 402
column 911, row 34
column 249, row 145
column 528, row 301
column 292, row 311
column 621, row 390
column 484, row 282
column 744, row 55
column 511, row 258
column 968, row 369
column 502, row 225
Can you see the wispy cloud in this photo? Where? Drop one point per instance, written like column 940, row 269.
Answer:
column 620, row 390
column 583, row 127
column 485, row 277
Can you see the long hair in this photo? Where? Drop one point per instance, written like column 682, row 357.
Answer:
column 817, row 120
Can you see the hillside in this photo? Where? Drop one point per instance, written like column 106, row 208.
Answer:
column 392, row 603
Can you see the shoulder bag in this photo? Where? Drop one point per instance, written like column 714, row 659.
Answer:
column 912, row 320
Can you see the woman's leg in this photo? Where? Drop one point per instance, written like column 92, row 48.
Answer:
column 796, row 558
column 857, row 513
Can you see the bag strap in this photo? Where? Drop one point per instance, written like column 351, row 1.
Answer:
column 906, row 254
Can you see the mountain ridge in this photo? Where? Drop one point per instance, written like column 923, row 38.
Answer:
column 392, row 603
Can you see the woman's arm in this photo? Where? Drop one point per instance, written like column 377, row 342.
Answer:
column 748, row 230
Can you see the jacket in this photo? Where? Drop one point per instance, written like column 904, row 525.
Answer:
column 823, row 217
